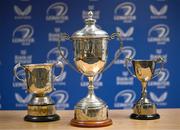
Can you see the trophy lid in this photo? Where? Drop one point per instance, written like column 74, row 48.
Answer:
column 90, row 30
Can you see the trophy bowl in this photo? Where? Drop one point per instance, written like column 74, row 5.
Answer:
column 39, row 80
column 90, row 58
column 144, row 109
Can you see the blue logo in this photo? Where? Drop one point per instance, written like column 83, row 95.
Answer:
column 159, row 34
column 159, row 14
column 22, row 14
column 125, row 79
column 127, row 52
column 159, row 100
column 162, row 78
column 22, row 102
column 126, row 35
column 124, row 99
column 60, row 97
column 57, row 12
column 125, row 12
column 23, row 34
column 16, row 83
column 54, row 55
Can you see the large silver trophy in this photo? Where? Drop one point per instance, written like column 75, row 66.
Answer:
column 90, row 57
column 144, row 70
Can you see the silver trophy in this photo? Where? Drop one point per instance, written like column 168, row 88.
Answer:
column 144, row 70
column 90, row 57
column 39, row 80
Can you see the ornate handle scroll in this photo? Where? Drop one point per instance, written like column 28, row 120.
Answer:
column 118, row 52
column 65, row 36
column 129, row 60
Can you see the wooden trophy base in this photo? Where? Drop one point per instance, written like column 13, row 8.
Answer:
column 101, row 123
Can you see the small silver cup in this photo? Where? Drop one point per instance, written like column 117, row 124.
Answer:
column 144, row 109
column 39, row 80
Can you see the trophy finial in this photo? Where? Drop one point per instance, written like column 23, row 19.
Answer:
column 90, row 20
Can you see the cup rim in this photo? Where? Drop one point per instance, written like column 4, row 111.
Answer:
column 39, row 64
column 142, row 60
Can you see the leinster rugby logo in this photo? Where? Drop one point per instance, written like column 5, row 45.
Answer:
column 23, row 34
column 159, row 34
column 57, row 12
column 60, row 97
column 162, row 79
column 124, row 99
column 159, row 14
column 60, row 80
column 125, row 12
column 53, row 55
column 127, row 52
column 163, row 76
column 16, row 83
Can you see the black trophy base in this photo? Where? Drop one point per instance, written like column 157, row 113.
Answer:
column 49, row 118
column 144, row 117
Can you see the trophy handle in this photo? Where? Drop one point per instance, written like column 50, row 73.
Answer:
column 161, row 61
column 118, row 52
column 66, row 37
column 60, row 65
column 15, row 72
column 129, row 60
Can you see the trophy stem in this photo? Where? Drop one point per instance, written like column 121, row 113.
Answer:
column 39, row 95
column 144, row 89
column 144, row 109
column 91, row 86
